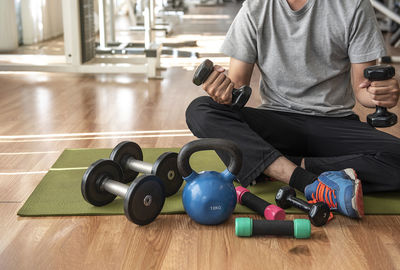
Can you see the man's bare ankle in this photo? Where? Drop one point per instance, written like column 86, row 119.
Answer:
column 281, row 169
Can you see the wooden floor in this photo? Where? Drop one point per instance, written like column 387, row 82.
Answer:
column 41, row 114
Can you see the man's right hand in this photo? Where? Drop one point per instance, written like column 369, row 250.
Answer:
column 219, row 86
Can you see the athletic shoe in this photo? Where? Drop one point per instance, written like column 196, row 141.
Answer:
column 341, row 190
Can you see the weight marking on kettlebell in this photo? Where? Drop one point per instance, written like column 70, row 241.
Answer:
column 148, row 200
column 215, row 207
column 171, row 175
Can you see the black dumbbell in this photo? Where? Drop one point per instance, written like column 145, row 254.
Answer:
column 262, row 207
column 318, row 213
column 298, row 228
column 143, row 199
column 129, row 156
column 239, row 96
column 381, row 117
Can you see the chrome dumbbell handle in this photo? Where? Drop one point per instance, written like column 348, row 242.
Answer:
column 139, row 166
column 114, row 187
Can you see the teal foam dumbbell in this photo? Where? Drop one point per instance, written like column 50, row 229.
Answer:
column 298, row 228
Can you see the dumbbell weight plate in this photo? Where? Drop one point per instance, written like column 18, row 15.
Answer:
column 202, row 72
column 121, row 153
column 284, row 204
column 144, row 199
column 319, row 213
column 166, row 168
column 92, row 177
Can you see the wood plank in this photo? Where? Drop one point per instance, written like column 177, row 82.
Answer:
column 175, row 241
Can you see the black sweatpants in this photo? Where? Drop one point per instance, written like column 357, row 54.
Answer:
column 326, row 143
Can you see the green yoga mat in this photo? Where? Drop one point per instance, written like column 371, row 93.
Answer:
column 59, row 192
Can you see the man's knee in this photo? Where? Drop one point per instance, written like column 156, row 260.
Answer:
column 202, row 115
column 196, row 114
column 197, row 106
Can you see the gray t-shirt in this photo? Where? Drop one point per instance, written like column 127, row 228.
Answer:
column 305, row 56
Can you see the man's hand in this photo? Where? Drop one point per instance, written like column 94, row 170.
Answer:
column 382, row 93
column 219, row 86
column 376, row 93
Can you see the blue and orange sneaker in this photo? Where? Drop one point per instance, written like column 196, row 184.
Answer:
column 341, row 190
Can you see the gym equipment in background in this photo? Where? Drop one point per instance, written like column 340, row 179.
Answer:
column 298, row 228
column 262, row 207
column 152, row 48
column 318, row 213
column 82, row 54
column 209, row 3
column 389, row 59
column 387, row 13
column 239, row 96
column 143, row 199
column 129, row 156
column 381, row 117
column 209, row 197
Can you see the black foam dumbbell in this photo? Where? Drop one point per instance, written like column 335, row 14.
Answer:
column 239, row 96
column 143, row 199
column 318, row 213
column 262, row 207
column 298, row 228
column 129, row 156
column 381, row 117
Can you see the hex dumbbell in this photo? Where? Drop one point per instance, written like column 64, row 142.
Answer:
column 262, row 207
column 381, row 117
column 298, row 228
column 318, row 213
column 143, row 199
column 129, row 156
column 239, row 96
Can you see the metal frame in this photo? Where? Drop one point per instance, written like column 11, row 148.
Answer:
column 386, row 11
column 392, row 16
column 149, row 28
column 210, row 3
column 151, row 19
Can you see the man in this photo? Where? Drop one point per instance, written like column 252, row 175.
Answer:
column 311, row 55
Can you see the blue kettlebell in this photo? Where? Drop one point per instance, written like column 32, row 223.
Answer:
column 209, row 197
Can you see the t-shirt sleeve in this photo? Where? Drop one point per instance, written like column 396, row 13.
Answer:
column 365, row 40
column 240, row 41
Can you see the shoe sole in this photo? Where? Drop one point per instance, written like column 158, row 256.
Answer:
column 357, row 201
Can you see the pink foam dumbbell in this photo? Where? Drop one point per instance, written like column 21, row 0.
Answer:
column 262, row 207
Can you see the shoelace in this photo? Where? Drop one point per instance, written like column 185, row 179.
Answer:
column 323, row 193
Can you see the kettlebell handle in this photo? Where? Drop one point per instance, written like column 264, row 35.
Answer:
column 235, row 162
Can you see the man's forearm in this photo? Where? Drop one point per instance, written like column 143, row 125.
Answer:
column 357, row 77
column 240, row 72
